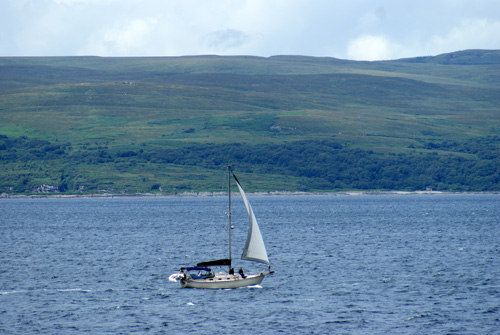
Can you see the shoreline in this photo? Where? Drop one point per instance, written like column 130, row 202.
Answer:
column 224, row 194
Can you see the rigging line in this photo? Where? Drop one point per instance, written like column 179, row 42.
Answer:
column 229, row 211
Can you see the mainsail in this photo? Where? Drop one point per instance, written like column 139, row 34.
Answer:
column 254, row 250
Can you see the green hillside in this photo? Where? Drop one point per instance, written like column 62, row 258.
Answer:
column 172, row 124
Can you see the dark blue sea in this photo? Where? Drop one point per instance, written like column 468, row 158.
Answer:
column 410, row 264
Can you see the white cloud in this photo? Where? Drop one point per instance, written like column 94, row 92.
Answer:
column 84, row 2
column 470, row 34
column 124, row 38
column 358, row 29
column 370, row 47
column 227, row 39
column 372, row 18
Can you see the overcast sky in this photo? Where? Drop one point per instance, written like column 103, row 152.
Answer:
column 347, row 29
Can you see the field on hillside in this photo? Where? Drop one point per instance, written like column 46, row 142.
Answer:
column 117, row 123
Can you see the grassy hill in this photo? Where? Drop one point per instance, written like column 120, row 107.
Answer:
column 171, row 124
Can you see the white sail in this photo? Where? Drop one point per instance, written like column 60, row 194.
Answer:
column 254, row 250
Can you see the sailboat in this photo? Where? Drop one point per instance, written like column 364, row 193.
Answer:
column 201, row 275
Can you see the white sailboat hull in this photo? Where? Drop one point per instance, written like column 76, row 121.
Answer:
column 222, row 281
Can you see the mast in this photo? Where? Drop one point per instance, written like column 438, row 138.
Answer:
column 229, row 210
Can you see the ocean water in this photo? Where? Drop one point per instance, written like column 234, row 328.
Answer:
column 413, row 264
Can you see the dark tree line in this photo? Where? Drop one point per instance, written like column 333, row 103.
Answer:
column 472, row 165
column 330, row 166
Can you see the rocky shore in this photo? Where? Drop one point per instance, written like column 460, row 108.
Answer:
column 224, row 194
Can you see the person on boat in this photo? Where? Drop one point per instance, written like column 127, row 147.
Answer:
column 231, row 272
column 241, row 273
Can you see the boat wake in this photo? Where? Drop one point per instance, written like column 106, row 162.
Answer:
column 175, row 277
column 45, row 290
column 12, row 292
column 255, row 286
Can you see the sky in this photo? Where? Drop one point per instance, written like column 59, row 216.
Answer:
column 346, row 29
